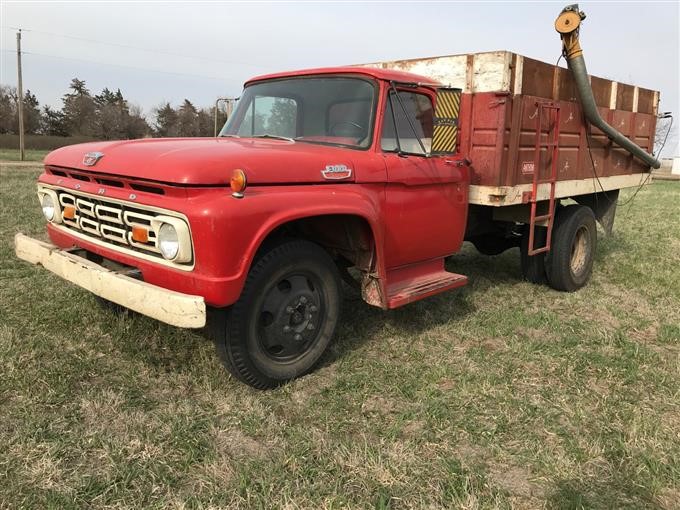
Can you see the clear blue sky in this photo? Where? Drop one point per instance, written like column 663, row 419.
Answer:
column 226, row 43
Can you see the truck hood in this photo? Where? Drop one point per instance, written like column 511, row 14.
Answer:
column 208, row 161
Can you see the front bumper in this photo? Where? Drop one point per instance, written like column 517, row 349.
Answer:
column 175, row 308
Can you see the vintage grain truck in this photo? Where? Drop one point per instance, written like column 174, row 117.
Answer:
column 370, row 167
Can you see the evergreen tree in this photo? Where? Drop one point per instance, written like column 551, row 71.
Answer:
column 166, row 121
column 79, row 109
column 112, row 113
column 31, row 114
column 53, row 122
column 187, row 117
column 206, row 122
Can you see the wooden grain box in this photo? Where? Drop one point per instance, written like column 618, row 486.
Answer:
column 499, row 121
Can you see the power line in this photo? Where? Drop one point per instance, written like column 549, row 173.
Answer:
column 61, row 57
column 139, row 48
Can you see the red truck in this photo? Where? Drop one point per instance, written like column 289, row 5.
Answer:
column 367, row 167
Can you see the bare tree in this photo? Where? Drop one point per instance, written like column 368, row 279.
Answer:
column 664, row 134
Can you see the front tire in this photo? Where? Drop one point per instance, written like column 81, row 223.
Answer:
column 285, row 318
column 570, row 262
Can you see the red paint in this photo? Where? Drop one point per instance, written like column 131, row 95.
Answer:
column 416, row 207
column 420, row 280
column 498, row 134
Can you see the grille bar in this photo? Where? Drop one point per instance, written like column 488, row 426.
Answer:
column 109, row 221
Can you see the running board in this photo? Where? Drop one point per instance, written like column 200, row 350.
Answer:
column 412, row 283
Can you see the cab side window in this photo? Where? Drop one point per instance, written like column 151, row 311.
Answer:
column 400, row 134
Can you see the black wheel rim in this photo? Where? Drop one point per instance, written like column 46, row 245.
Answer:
column 291, row 317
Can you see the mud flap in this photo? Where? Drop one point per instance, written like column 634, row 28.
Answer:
column 603, row 206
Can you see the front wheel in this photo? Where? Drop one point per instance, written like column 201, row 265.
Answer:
column 285, row 318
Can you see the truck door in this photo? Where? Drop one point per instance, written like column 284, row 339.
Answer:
column 426, row 195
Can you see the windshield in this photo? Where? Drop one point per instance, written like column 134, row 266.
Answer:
column 328, row 110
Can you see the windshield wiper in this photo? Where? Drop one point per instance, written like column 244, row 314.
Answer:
column 276, row 137
column 228, row 136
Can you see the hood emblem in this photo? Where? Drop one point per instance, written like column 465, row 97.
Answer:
column 335, row 172
column 91, row 158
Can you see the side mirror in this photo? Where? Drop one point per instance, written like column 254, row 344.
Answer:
column 445, row 135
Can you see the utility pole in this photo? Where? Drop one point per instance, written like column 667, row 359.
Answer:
column 20, row 106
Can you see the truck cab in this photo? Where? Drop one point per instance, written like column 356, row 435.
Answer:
column 315, row 172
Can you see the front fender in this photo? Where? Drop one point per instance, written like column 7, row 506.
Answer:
column 237, row 229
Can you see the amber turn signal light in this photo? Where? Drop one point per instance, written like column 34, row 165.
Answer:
column 69, row 212
column 238, row 183
column 140, row 234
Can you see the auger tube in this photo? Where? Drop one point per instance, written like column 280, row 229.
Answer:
column 567, row 24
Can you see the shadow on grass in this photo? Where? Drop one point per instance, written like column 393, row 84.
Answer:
column 361, row 323
column 159, row 346
column 172, row 348
column 609, row 245
column 167, row 348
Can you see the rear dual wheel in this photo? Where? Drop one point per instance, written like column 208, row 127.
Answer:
column 569, row 263
column 285, row 318
column 533, row 266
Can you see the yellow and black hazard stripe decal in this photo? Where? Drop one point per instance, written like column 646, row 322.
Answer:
column 445, row 135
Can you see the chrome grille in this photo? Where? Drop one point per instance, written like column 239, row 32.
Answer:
column 108, row 220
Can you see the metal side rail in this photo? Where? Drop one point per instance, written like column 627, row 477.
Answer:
column 174, row 308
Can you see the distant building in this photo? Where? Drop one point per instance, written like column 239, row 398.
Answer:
column 670, row 166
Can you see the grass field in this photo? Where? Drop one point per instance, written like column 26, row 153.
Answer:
column 29, row 155
column 500, row 395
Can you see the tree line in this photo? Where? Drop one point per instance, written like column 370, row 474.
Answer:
column 107, row 116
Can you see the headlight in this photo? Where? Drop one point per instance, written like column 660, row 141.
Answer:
column 50, row 204
column 173, row 238
column 168, row 241
column 47, row 203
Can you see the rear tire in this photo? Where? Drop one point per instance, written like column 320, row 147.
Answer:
column 285, row 318
column 533, row 267
column 574, row 241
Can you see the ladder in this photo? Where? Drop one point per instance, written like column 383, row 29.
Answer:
column 552, row 149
